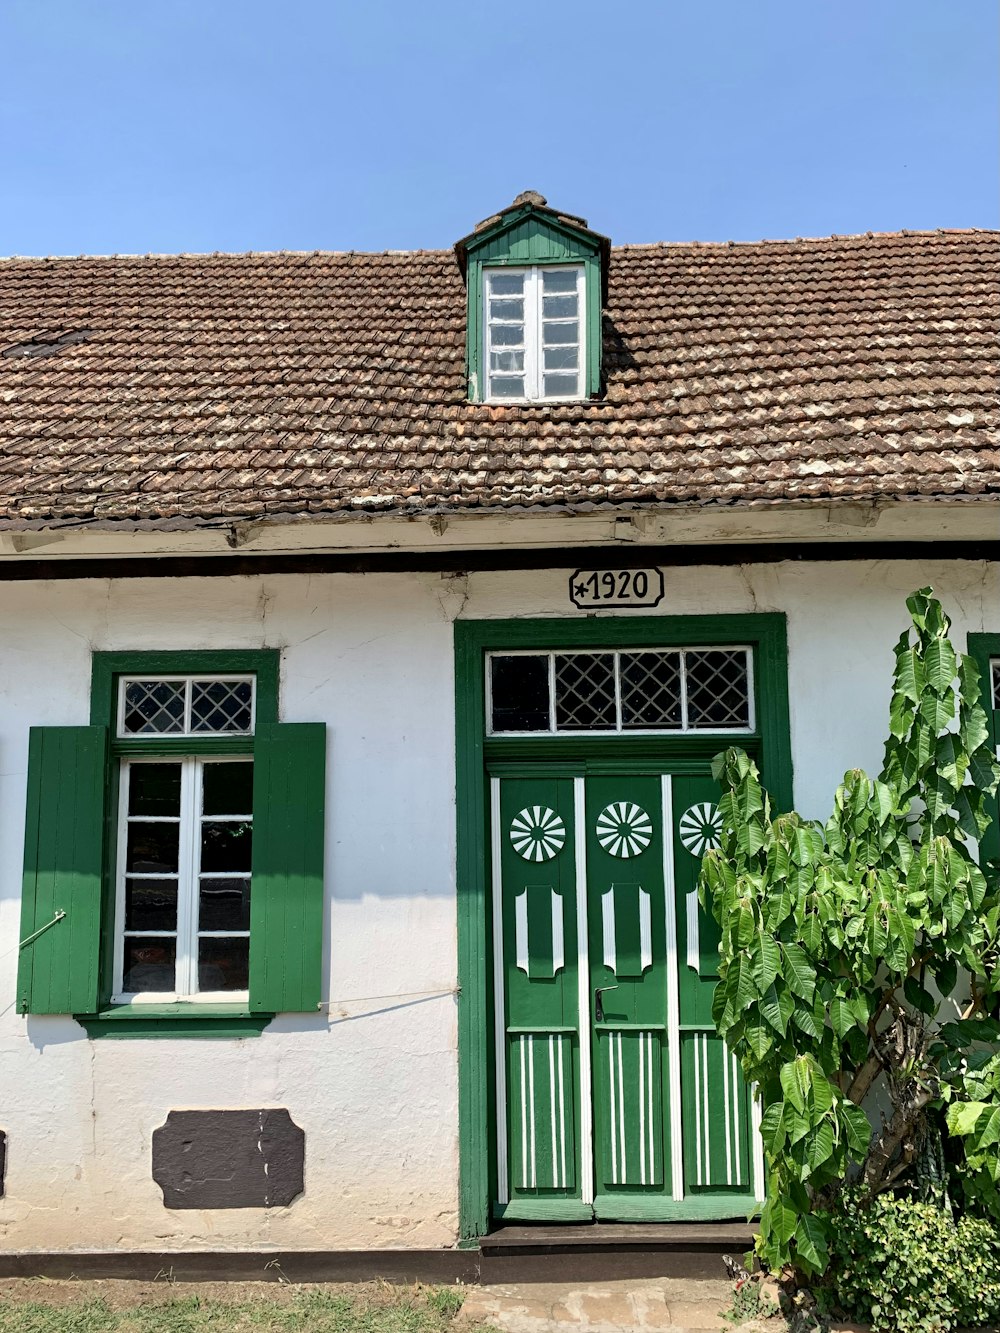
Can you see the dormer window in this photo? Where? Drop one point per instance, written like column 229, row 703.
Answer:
column 534, row 331
column 536, row 280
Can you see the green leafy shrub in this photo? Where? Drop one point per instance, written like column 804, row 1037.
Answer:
column 842, row 942
column 908, row 1267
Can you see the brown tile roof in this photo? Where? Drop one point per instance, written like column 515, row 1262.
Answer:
column 241, row 386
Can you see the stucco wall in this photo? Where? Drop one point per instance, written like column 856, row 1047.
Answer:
column 374, row 1082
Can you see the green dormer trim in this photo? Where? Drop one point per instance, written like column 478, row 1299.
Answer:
column 529, row 234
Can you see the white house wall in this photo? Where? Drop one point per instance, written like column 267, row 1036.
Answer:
column 373, row 1082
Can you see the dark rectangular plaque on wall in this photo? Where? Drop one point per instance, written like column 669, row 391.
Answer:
column 229, row 1159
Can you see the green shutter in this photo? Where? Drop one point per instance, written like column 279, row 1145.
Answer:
column 63, row 862
column 286, row 906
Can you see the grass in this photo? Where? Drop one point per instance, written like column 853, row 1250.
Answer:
column 126, row 1307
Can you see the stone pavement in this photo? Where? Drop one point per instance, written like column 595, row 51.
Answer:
column 624, row 1306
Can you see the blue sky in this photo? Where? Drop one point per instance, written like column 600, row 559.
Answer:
column 141, row 125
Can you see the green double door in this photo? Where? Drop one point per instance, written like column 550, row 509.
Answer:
column 614, row 1096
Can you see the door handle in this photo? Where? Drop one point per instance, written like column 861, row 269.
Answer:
column 598, row 1003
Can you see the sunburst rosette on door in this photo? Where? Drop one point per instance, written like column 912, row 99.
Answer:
column 537, row 833
column 624, row 829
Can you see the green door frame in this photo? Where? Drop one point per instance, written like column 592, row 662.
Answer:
column 764, row 632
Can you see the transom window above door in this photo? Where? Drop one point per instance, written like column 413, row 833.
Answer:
column 534, row 320
column 666, row 690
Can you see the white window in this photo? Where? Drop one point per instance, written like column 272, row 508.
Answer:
column 534, row 320
column 185, row 835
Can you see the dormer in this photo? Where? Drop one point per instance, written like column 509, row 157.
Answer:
column 536, row 281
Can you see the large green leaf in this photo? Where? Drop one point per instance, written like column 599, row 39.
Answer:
column 963, row 1117
column 820, row 1146
column 857, row 1129
column 811, row 1243
column 940, row 665
column 796, row 1081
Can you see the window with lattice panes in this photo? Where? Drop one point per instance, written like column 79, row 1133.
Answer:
column 185, row 839
column 622, row 691
column 174, row 850
column 534, row 321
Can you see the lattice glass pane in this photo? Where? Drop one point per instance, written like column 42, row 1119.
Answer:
column 153, row 706
column 718, row 688
column 519, row 693
column 996, row 684
column 651, row 690
column 221, row 705
column 585, row 692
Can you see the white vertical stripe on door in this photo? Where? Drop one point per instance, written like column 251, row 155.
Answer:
column 642, row 1108
column 621, row 1111
column 583, row 993
column 562, row 1115
column 613, row 1100
column 759, row 1190
column 552, row 1110
column 705, row 1119
column 521, row 931
column 673, row 994
column 531, row 1105
column 699, row 1173
column 737, row 1118
column 499, row 1026
column 728, row 1116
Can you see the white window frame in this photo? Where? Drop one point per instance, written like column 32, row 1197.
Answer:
column 533, row 368
column 189, row 680
column 188, row 871
column 618, row 729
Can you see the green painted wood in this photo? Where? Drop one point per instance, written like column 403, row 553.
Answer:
column 524, row 237
column 716, row 1104
column 106, row 668
column 540, row 985
column 627, row 908
column 175, row 1020
column 718, row 1128
column 476, row 1118
column 710, row 1208
column 63, row 864
column 564, row 757
column 983, row 648
column 523, row 1209
column 627, row 920
column 286, row 904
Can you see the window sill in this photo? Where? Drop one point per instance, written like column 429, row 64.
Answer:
column 174, row 1020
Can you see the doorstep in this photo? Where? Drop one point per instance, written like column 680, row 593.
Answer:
column 603, row 1251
